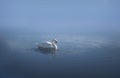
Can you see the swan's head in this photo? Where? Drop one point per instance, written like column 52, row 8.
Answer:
column 54, row 41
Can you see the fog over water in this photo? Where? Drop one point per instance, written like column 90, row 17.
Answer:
column 87, row 33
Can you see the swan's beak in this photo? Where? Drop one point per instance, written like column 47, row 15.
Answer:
column 55, row 41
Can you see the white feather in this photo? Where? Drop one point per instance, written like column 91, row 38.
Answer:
column 48, row 44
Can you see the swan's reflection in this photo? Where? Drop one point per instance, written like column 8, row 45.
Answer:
column 46, row 51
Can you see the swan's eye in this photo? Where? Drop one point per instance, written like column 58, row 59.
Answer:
column 55, row 41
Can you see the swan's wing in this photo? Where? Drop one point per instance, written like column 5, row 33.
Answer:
column 48, row 42
column 45, row 45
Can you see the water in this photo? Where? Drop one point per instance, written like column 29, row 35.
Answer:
column 79, row 56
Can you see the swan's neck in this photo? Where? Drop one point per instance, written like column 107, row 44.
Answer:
column 54, row 45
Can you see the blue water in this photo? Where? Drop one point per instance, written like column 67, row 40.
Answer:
column 79, row 56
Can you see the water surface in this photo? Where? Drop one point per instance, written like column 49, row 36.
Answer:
column 79, row 56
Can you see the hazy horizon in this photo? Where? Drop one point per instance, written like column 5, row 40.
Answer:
column 88, row 34
column 82, row 16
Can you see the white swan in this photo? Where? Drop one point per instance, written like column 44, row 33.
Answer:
column 48, row 45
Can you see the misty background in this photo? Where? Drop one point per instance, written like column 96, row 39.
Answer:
column 63, row 16
column 87, row 33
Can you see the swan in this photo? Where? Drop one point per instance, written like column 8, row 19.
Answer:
column 49, row 45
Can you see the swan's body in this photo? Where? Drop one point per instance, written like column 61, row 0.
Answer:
column 48, row 45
